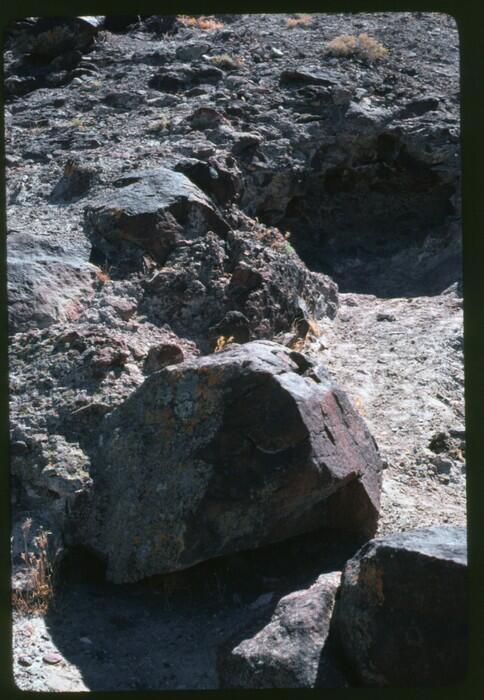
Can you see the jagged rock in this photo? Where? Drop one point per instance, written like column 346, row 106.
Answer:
column 75, row 182
column 254, row 273
column 219, row 176
column 164, row 495
column 163, row 355
column 290, row 650
column 155, row 210
column 45, row 283
column 171, row 80
column 401, row 618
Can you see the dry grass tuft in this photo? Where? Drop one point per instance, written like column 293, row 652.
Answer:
column 362, row 46
column 102, row 275
column 161, row 124
column 37, row 599
column 222, row 342
column 227, row 61
column 298, row 21
column 206, row 23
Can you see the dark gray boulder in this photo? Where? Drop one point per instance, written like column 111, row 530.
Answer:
column 224, row 453
column 401, row 618
column 46, row 282
column 290, row 650
column 155, row 210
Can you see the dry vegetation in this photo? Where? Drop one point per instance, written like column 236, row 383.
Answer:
column 202, row 22
column 226, row 61
column 362, row 46
column 298, row 21
column 222, row 342
column 38, row 596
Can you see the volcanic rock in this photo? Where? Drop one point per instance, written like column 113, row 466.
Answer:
column 290, row 650
column 155, row 209
column 401, row 618
column 46, row 283
column 164, row 495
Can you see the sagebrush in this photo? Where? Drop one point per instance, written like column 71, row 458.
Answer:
column 362, row 46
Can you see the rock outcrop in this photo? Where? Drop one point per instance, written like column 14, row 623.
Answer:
column 401, row 616
column 229, row 452
column 156, row 210
column 46, row 282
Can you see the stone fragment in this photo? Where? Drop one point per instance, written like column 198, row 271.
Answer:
column 290, row 650
column 401, row 618
column 164, row 494
column 161, row 356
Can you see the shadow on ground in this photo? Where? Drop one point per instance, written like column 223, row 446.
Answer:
column 164, row 632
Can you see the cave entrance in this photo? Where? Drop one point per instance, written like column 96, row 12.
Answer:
column 383, row 223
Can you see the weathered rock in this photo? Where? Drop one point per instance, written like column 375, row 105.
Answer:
column 290, row 650
column 254, row 273
column 155, row 210
column 219, row 176
column 401, row 617
column 164, row 494
column 174, row 80
column 46, row 283
column 75, row 182
column 51, row 36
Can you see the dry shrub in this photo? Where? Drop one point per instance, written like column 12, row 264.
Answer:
column 226, row 61
column 102, row 276
column 161, row 124
column 38, row 597
column 363, row 46
column 202, row 22
column 298, row 21
column 222, row 342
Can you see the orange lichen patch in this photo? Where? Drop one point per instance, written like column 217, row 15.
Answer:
column 136, row 540
column 154, row 416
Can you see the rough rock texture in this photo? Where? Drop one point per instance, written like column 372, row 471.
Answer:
column 156, row 210
column 45, row 283
column 165, row 494
column 401, row 616
column 289, row 651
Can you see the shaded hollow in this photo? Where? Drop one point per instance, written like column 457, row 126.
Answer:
column 382, row 222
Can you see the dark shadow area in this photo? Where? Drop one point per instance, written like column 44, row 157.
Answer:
column 165, row 632
column 383, row 222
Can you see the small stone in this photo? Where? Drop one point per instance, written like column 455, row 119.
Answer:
column 24, row 660
column 52, row 658
column 385, row 317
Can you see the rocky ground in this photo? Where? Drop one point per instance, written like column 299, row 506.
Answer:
column 356, row 157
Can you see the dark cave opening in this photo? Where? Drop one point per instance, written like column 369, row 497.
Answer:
column 382, row 223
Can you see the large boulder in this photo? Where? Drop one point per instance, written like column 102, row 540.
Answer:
column 290, row 650
column 155, row 210
column 46, row 282
column 401, row 618
column 227, row 452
